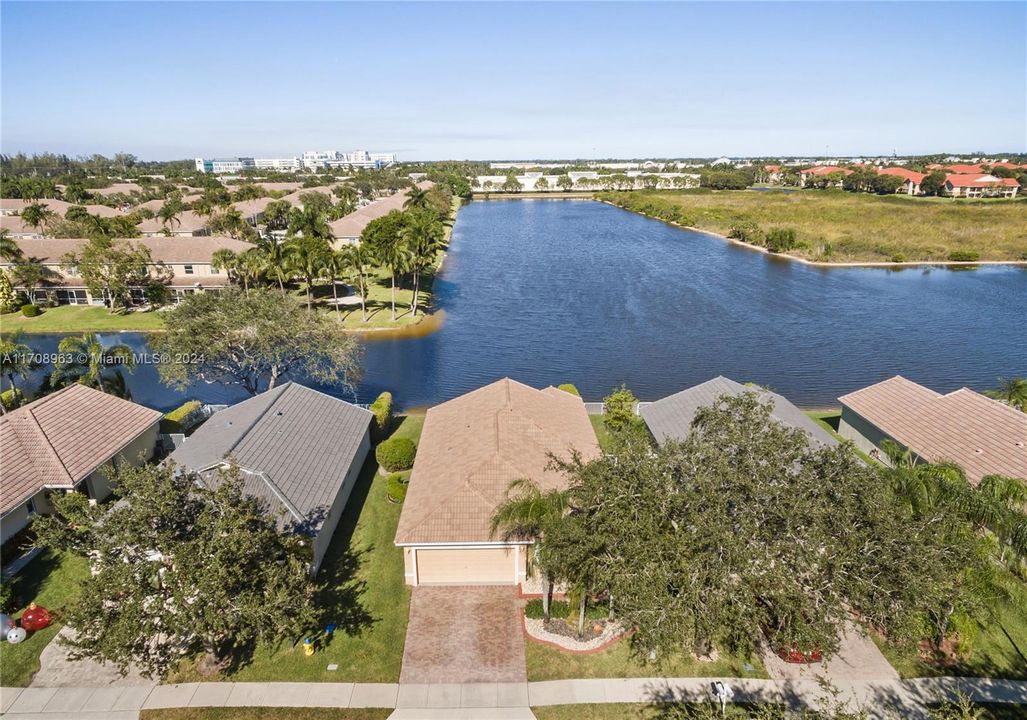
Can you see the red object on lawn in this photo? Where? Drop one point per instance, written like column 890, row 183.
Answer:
column 36, row 617
column 794, row 655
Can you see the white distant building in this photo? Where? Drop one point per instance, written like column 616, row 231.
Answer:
column 279, row 164
column 223, row 166
column 325, row 159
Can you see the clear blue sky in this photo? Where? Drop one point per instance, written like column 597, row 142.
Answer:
column 434, row 81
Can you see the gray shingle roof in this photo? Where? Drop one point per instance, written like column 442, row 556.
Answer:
column 295, row 446
column 671, row 418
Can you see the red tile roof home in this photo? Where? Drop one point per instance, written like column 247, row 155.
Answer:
column 1007, row 165
column 913, row 177
column 827, row 170
column 773, row 168
column 474, row 446
column 61, row 439
column 965, row 169
column 979, row 180
column 981, row 435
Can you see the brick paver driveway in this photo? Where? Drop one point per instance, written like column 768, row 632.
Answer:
column 464, row 635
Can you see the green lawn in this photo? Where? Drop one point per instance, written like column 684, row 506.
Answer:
column 609, row 711
column 1000, row 649
column 548, row 663
column 602, row 433
column 51, row 580
column 266, row 713
column 838, row 226
column 79, row 319
column 365, row 571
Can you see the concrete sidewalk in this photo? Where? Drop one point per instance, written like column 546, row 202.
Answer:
column 488, row 700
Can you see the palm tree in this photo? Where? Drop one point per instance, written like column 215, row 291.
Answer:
column 417, row 199
column 526, row 514
column 309, row 222
column 225, row 259
column 335, row 265
column 169, row 212
column 37, row 215
column 423, row 236
column 1012, row 391
column 85, row 360
column 15, row 362
column 396, row 257
column 358, row 258
column 307, row 256
column 273, row 253
column 250, row 266
column 9, row 248
column 276, row 214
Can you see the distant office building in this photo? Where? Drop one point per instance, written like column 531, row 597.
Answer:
column 223, row 166
column 278, row 164
column 315, row 160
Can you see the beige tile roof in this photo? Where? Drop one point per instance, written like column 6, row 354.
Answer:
column 60, row 439
column 353, row 224
column 187, row 221
column 197, row 249
column 58, row 206
column 471, row 449
column 981, row 435
column 157, row 203
column 16, row 226
column 125, row 188
column 249, row 208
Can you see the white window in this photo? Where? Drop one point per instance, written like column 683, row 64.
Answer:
column 188, row 269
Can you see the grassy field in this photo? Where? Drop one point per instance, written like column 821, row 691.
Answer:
column 265, row 713
column 79, row 319
column 602, row 433
column 828, row 419
column 51, row 580
column 364, row 572
column 548, row 663
column 837, row 226
column 999, row 651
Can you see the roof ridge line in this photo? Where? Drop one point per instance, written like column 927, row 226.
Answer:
column 53, row 451
column 278, row 493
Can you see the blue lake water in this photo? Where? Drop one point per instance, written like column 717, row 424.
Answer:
column 553, row 291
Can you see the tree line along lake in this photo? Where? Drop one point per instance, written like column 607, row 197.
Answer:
column 551, row 291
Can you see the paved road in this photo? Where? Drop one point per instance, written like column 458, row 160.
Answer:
column 485, row 701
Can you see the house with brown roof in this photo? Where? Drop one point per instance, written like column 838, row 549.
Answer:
column 977, row 185
column 63, row 442
column 471, row 449
column 347, row 229
column 910, row 179
column 188, row 258
column 824, row 171
column 186, row 224
column 981, row 435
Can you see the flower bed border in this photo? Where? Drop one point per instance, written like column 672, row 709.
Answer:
column 615, row 639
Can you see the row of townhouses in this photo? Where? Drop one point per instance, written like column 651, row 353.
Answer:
column 315, row 160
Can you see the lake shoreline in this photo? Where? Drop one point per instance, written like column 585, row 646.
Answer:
column 827, row 264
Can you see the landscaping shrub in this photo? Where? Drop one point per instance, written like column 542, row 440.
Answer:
column 175, row 421
column 964, row 256
column 561, row 608
column 898, row 257
column 30, row 310
column 619, row 408
column 382, row 409
column 396, row 487
column 746, row 232
column 570, row 388
column 780, row 239
column 396, row 454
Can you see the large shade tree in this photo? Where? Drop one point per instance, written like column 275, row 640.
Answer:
column 179, row 567
column 255, row 340
column 744, row 530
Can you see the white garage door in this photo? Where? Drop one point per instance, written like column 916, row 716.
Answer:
column 466, row 566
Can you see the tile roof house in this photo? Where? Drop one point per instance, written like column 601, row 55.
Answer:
column 63, row 441
column 471, row 449
column 981, row 435
column 980, row 185
column 346, row 230
column 671, row 418
column 910, row 179
column 189, row 259
column 298, row 449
